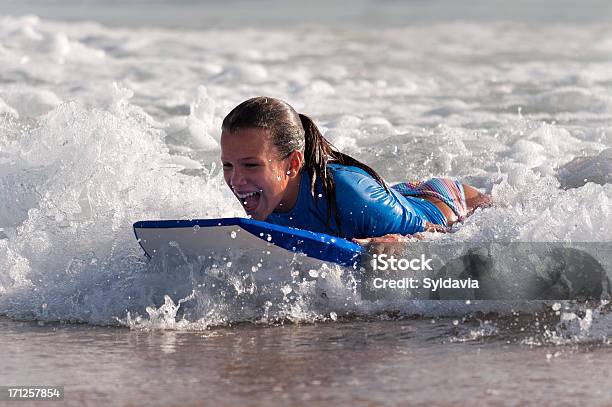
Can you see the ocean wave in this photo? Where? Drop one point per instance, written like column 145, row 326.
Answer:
column 81, row 158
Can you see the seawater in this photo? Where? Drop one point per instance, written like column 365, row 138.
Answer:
column 416, row 362
column 103, row 126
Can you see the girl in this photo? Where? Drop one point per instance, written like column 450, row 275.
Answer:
column 285, row 172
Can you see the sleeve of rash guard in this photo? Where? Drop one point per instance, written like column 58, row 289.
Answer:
column 367, row 210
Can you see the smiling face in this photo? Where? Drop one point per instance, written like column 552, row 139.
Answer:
column 260, row 179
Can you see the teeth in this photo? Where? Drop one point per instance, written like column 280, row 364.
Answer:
column 244, row 196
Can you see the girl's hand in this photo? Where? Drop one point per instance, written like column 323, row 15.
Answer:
column 432, row 227
column 394, row 238
column 395, row 243
column 388, row 244
column 397, row 238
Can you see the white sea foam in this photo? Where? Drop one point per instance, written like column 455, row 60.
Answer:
column 102, row 127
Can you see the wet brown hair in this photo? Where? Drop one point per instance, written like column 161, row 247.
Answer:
column 289, row 132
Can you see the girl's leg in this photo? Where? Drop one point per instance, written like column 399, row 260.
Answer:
column 443, row 193
column 448, row 213
column 475, row 199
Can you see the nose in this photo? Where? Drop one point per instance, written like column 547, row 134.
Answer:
column 237, row 178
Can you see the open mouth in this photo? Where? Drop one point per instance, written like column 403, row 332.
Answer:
column 249, row 200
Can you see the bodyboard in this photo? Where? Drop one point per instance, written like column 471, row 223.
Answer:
column 203, row 237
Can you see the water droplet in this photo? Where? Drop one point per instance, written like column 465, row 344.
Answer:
column 333, row 316
column 233, row 234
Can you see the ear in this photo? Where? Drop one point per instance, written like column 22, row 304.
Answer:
column 295, row 163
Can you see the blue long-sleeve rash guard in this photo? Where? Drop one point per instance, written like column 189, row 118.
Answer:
column 364, row 207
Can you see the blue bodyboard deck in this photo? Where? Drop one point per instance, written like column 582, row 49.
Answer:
column 199, row 236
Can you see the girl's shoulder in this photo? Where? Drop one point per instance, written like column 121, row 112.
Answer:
column 349, row 179
column 347, row 171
